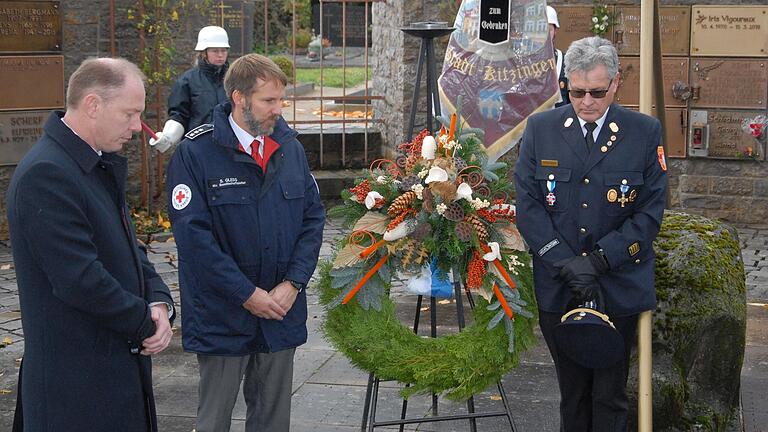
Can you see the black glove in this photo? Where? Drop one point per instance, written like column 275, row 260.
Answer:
column 581, row 272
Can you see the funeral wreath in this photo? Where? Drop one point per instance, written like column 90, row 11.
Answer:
column 439, row 208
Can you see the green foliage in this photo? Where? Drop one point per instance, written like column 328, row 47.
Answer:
column 460, row 365
column 303, row 10
column 333, row 77
column 285, row 64
column 302, row 37
column 602, row 19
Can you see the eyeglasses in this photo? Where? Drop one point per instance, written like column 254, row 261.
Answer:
column 597, row 94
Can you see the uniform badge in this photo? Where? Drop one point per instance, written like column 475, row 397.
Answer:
column 551, row 198
column 562, row 84
column 613, row 127
column 612, row 195
column 624, row 188
column 549, row 163
column 633, row 249
column 632, row 195
column 568, row 122
column 662, row 160
column 181, row 196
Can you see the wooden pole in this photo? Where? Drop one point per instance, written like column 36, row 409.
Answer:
column 645, row 322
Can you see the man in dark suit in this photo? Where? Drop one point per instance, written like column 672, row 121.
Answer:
column 591, row 188
column 93, row 308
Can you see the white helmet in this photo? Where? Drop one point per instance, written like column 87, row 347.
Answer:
column 552, row 16
column 212, row 37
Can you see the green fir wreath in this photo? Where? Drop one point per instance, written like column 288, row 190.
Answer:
column 440, row 203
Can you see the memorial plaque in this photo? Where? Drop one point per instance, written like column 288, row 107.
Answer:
column 233, row 17
column 31, row 82
column 333, row 24
column 677, row 131
column 729, row 31
column 18, row 132
column 30, row 26
column 575, row 22
column 729, row 83
column 718, row 134
column 675, row 69
column 674, row 24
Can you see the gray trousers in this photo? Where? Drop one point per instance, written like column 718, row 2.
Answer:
column 267, row 379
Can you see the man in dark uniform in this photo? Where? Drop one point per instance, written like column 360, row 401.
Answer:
column 562, row 81
column 248, row 223
column 591, row 187
column 92, row 306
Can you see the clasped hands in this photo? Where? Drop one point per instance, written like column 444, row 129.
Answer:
column 273, row 304
column 581, row 273
column 163, row 332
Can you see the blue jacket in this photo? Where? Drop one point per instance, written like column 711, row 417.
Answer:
column 84, row 288
column 237, row 229
column 588, row 211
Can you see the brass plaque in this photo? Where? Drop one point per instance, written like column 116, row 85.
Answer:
column 719, row 134
column 677, row 131
column 729, row 83
column 18, row 133
column 30, row 26
column 31, row 82
column 729, row 31
column 674, row 24
column 574, row 25
column 674, row 69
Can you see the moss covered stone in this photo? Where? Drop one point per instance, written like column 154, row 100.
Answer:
column 699, row 325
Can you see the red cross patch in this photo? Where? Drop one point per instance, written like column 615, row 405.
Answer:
column 181, row 196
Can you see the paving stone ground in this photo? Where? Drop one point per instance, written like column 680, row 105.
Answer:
column 329, row 393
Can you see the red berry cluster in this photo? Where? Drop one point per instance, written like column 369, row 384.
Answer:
column 361, row 190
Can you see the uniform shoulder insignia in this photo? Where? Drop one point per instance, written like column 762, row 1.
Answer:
column 200, row 130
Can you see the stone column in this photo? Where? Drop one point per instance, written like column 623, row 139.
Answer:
column 394, row 69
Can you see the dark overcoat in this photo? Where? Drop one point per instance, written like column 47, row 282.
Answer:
column 84, row 288
column 611, row 198
column 236, row 229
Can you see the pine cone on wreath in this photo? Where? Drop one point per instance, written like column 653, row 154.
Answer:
column 401, row 203
column 478, row 225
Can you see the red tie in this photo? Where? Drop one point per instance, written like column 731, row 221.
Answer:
column 256, row 156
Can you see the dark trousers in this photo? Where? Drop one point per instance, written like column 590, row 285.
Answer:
column 591, row 400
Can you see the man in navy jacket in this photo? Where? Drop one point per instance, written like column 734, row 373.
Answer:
column 591, row 187
column 248, row 222
column 92, row 306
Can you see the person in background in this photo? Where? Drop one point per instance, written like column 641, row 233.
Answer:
column 562, row 80
column 248, row 223
column 93, row 308
column 198, row 90
column 591, row 189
